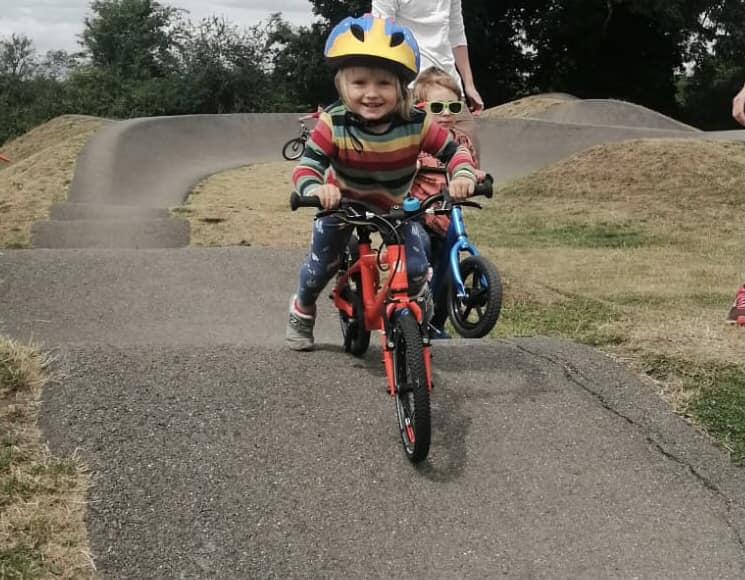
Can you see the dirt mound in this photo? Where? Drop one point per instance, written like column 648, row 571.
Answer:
column 527, row 106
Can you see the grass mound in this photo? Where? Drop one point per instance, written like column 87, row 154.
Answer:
column 43, row 161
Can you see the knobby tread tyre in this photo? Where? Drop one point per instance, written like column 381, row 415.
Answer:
column 477, row 316
column 412, row 394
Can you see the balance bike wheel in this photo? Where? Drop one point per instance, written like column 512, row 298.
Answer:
column 477, row 313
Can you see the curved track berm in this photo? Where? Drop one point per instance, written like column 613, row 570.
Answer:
column 129, row 168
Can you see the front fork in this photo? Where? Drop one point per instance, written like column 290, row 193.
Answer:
column 388, row 346
column 448, row 264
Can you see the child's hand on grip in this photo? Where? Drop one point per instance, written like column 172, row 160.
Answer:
column 460, row 188
column 329, row 195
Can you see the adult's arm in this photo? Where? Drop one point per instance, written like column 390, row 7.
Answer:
column 459, row 45
column 463, row 64
column 738, row 106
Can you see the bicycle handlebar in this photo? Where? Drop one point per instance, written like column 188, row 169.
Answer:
column 485, row 189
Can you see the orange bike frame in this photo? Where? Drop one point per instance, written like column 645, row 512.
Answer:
column 392, row 294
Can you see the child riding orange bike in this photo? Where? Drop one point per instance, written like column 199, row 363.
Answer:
column 371, row 139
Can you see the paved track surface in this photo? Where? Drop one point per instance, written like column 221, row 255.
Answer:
column 216, row 453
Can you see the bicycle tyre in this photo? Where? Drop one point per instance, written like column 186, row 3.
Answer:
column 476, row 315
column 293, row 149
column 356, row 336
column 410, row 381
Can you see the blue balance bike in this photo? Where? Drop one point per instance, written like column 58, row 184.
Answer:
column 466, row 286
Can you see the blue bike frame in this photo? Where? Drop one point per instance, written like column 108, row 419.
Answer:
column 456, row 241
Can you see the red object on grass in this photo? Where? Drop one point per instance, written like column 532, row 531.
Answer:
column 4, row 158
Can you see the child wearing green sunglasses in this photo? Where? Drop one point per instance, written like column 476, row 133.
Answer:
column 439, row 94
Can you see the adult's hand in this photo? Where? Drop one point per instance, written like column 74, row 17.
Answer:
column 738, row 106
column 475, row 102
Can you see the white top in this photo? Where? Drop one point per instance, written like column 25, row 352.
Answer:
column 437, row 26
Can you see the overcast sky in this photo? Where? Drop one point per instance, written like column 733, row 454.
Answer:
column 55, row 24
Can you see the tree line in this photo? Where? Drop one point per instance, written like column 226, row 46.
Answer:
column 684, row 58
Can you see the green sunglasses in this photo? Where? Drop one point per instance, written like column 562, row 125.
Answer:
column 438, row 107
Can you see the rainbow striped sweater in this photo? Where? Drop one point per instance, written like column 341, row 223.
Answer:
column 376, row 167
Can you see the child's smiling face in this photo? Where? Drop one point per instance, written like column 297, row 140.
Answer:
column 370, row 93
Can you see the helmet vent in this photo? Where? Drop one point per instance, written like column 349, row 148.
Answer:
column 397, row 38
column 358, row 33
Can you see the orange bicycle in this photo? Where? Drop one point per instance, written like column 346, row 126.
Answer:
column 368, row 301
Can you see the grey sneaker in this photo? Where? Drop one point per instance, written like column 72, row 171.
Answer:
column 424, row 299
column 299, row 335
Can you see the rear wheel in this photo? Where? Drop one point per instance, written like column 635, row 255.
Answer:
column 356, row 336
column 477, row 313
column 412, row 394
column 293, row 149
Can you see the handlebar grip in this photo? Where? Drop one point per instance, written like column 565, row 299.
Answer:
column 485, row 188
column 297, row 200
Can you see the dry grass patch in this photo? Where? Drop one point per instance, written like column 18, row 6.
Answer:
column 247, row 206
column 43, row 161
column 42, row 529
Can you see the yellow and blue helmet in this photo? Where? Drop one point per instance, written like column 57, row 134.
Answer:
column 372, row 41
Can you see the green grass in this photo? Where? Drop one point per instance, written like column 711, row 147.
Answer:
column 21, row 562
column 694, row 300
column 526, row 231
column 717, row 397
column 580, row 235
column 576, row 317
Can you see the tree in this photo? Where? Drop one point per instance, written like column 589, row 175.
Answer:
column 628, row 49
column 300, row 71
column 17, row 58
column 717, row 53
column 28, row 96
column 500, row 59
column 334, row 11
column 227, row 69
column 132, row 39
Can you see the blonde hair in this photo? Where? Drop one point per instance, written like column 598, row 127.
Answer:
column 433, row 77
column 404, row 98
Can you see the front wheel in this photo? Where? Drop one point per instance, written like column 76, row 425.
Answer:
column 410, row 381
column 293, row 149
column 476, row 314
